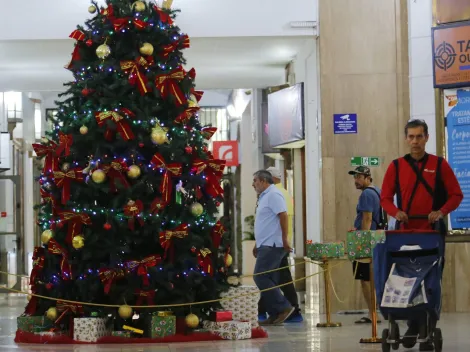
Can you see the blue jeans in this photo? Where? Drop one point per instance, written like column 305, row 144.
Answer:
column 269, row 258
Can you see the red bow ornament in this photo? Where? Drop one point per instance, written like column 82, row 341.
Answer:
column 38, row 265
column 205, row 261
column 181, row 43
column 169, row 170
column 149, row 296
column 166, row 238
column 49, row 152
column 122, row 125
column 114, row 171
column 143, row 265
column 54, row 247
column 208, row 132
column 75, row 223
column 132, row 210
column 64, row 179
column 217, row 233
column 164, row 16
column 80, row 37
column 136, row 76
column 48, row 197
column 108, row 276
column 169, row 84
column 186, row 115
column 65, row 142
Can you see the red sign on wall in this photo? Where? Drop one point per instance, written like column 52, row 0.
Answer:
column 226, row 150
column 3, row 214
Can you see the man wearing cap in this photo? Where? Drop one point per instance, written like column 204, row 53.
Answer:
column 367, row 218
column 285, row 275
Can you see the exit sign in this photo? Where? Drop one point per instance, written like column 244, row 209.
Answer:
column 365, row 161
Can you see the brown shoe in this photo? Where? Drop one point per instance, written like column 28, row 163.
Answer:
column 284, row 315
column 268, row 322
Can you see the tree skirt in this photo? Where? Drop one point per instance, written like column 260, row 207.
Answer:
column 28, row 337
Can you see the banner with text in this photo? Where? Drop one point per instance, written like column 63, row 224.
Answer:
column 457, row 113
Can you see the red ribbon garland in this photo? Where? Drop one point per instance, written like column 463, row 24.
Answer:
column 148, row 295
column 217, row 233
column 142, row 265
column 75, row 223
column 120, row 23
column 55, row 248
column 164, row 17
column 169, row 84
column 133, row 211
column 64, row 179
column 115, row 171
column 122, row 126
column 38, row 265
column 108, row 276
column 174, row 169
column 136, row 76
column 205, row 261
column 49, row 152
column 166, row 238
column 65, row 142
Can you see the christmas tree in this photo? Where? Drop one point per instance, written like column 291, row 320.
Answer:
column 129, row 188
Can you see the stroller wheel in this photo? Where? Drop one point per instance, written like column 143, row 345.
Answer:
column 385, row 345
column 437, row 339
column 395, row 335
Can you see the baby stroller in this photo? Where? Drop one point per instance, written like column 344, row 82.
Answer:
column 408, row 272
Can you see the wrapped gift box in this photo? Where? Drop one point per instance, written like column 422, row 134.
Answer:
column 161, row 324
column 90, row 329
column 229, row 330
column 360, row 244
column 51, row 333
column 245, row 307
column 321, row 251
column 126, row 334
column 221, row 315
column 34, row 323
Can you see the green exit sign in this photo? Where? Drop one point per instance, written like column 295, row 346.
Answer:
column 365, row 161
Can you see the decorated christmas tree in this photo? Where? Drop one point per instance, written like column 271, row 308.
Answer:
column 129, row 188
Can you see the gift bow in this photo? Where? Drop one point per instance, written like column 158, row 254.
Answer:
column 75, row 223
column 64, row 308
column 183, row 41
column 54, row 247
column 108, row 276
column 217, row 233
column 64, row 179
column 133, row 211
column 167, row 83
column 78, row 35
column 136, row 76
column 114, row 171
column 49, row 152
column 148, row 295
column 205, row 260
column 174, row 169
column 166, row 238
column 38, row 265
column 143, row 265
column 122, row 126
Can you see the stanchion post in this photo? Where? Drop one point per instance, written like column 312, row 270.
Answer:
column 373, row 304
column 328, row 323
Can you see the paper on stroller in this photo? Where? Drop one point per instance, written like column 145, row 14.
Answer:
column 410, row 248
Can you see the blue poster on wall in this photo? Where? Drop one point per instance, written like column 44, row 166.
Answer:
column 458, row 150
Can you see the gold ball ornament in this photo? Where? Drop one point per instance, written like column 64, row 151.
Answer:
column 125, row 312
column 98, row 176
column 83, row 130
column 228, row 260
column 158, row 137
column 133, row 171
column 192, row 321
column 51, row 313
column 78, row 242
column 65, row 167
column 103, row 51
column 46, row 236
column 92, row 9
column 138, row 6
column 196, row 209
column 146, row 49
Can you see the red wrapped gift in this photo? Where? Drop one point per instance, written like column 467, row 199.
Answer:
column 221, row 315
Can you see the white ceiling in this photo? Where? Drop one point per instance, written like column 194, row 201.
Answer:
column 235, row 62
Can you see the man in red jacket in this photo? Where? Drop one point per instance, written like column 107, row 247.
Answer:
column 427, row 190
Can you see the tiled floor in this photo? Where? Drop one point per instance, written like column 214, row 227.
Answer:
column 291, row 337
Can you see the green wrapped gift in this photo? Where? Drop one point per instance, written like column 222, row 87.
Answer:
column 38, row 323
column 360, row 244
column 121, row 334
column 161, row 324
column 321, row 251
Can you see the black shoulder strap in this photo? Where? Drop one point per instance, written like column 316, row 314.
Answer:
column 397, row 185
column 419, row 173
column 382, row 218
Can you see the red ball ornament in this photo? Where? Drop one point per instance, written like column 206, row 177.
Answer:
column 141, row 145
column 89, row 42
column 217, row 204
column 107, row 226
column 205, row 149
column 188, row 149
column 49, row 286
column 85, row 92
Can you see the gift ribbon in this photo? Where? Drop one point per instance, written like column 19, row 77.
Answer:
column 49, row 152
column 108, row 276
column 149, row 296
column 75, row 223
column 55, row 248
column 114, row 171
column 142, row 265
column 136, row 76
column 64, row 179
column 168, row 84
column 205, row 260
column 122, row 126
column 166, row 238
column 132, row 212
column 174, row 169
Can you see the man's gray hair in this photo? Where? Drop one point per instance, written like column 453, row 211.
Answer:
column 264, row 175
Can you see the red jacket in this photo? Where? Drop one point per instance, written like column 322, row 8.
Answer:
column 422, row 201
